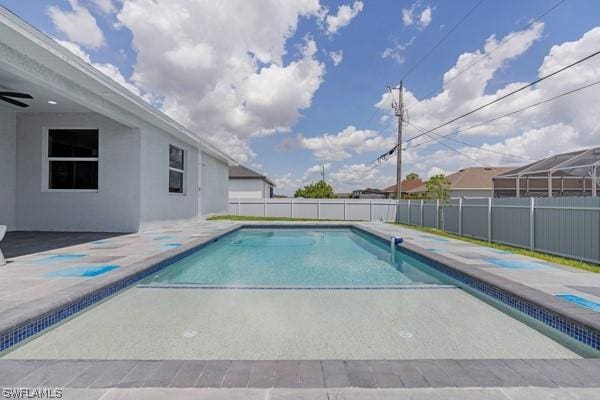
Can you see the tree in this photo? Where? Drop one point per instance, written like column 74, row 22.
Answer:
column 413, row 176
column 438, row 188
column 319, row 190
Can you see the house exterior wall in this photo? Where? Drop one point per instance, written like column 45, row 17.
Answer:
column 8, row 165
column 158, row 206
column 471, row 193
column 113, row 208
column 214, row 185
column 248, row 189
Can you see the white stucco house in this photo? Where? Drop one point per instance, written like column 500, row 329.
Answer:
column 78, row 152
column 245, row 183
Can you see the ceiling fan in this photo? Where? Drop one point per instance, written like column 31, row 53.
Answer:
column 6, row 96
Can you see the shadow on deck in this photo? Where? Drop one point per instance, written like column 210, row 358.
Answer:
column 20, row 243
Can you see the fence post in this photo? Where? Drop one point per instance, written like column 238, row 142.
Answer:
column 265, row 208
column 437, row 213
column 422, row 211
column 460, row 216
column 531, row 223
column 489, row 219
column 408, row 211
column 239, row 207
column 370, row 210
column 319, row 209
column 292, row 207
column 345, row 216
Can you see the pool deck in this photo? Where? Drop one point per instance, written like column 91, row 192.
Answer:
column 34, row 284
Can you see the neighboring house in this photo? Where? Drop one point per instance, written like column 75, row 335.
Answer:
column 576, row 173
column 405, row 186
column 468, row 182
column 369, row 193
column 245, row 183
column 86, row 154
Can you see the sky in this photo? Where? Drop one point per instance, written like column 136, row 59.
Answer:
column 285, row 87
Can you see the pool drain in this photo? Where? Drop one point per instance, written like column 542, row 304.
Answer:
column 405, row 334
column 190, row 333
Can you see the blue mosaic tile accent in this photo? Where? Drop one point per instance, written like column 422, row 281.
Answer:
column 163, row 238
column 82, row 272
column 170, row 245
column 15, row 335
column 580, row 301
column 516, row 264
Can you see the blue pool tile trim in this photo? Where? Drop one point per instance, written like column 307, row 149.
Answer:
column 347, row 288
column 41, row 322
column 580, row 301
column 516, row 264
column 82, row 271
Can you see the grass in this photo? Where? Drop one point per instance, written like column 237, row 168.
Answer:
column 569, row 262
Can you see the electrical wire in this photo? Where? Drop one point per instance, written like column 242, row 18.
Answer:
column 487, row 54
column 520, row 110
column 508, row 94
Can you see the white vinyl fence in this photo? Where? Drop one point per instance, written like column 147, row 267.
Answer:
column 566, row 226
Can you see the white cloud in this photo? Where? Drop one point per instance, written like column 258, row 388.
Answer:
column 559, row 126
column 108, row 69
column 425, row 18
column 396, row 52
column 78, row 24
column 359, row 176
column 339, row 146
column 106, row 6
column 344, row 15
column 219, row 75
column 336, row 57
column 416, row 15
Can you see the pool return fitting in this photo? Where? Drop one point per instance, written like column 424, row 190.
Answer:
column 394, row 241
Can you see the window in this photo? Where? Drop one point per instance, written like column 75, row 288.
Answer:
column 72, row 159
column 176, row 169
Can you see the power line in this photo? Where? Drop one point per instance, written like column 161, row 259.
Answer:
column 442, row 40
column 520, row 110
column 468, row 144
column 508, row 94
column 487, row 54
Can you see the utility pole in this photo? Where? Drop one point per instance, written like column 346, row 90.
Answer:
column 323, row 172
column 399, row 110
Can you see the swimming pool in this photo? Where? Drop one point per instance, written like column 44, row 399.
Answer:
column 296, row 258
column 300, row 294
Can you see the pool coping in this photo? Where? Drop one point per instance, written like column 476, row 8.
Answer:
column 376, row 374
column 28, row 319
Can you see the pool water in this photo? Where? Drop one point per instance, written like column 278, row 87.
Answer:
column 296, row 257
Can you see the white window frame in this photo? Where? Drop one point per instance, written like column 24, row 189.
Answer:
column 183, row 189
column 46, row 159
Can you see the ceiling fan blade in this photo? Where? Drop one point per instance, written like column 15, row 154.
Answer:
column 16, row 95
column 15, row 102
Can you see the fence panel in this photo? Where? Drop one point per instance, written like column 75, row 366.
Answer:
column 568, row 226
column 430, row 214
column 383, row 210
column 306, row 209
column 475, row 218
column 449, row 217
column 510, row 221
column 332, row 209
column 279, row 208
column 252, row 208
column 415, row 212
column 403, row 212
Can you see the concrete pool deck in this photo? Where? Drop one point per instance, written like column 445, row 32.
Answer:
column 30, row 287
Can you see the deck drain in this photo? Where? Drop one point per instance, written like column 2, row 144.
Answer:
column 405, row 334
column 190, row 333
